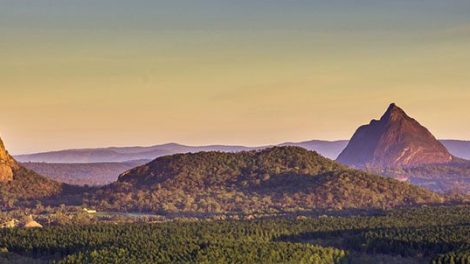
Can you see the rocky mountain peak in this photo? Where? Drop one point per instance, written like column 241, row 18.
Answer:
column 396, row 140
column 7, row 164
column 393, row 113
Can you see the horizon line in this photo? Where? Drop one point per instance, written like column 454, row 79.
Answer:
column 202, row 145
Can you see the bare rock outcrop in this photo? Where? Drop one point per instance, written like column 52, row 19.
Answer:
column 396, row 140
column 7, row 164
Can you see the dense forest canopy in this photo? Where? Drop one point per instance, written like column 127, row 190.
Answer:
column 271, row 180
column 428, row 234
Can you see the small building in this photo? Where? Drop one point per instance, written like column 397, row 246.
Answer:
column 89, row 211
column 30, row 223
column 402, row 178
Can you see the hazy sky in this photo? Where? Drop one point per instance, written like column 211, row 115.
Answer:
column 89, row 73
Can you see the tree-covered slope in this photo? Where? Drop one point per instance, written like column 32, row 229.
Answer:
column 18, row 183
column 271, row 180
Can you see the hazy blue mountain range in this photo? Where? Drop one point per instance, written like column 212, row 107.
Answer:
column 458, row 148
column 329, row 149
column 120, row 154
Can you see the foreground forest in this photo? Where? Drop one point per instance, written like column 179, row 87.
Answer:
column 423, row 235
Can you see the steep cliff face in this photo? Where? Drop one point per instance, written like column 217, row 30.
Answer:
column 7, row 164
column 396, row 140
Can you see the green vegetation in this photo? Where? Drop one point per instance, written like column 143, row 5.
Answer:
column 280, row 179
column 430, row 234
column 456, row 257
column 413, row 241
column 201, row 242
column 440, row 234
column 27, row 185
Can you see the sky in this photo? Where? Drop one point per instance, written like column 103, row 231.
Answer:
column 87, row 73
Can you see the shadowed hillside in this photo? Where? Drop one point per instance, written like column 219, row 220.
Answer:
column 271, row 180
column 18, row 183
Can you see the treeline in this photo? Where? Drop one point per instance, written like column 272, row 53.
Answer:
column 451, row 243
column 217, row 242
column 441, row 233
column 210, row 252
column 456, row 257
column 414, row 241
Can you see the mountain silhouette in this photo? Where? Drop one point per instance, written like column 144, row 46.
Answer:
column 396, row 140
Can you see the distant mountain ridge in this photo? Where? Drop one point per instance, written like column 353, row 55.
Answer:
column 329, row 149
column 395, row 140
column 458, row 148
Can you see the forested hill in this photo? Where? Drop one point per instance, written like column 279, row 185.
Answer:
column 19, row 183
column 271, row 180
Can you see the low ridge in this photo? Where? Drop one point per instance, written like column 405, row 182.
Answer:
column 396, row 140
column 270, row 180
